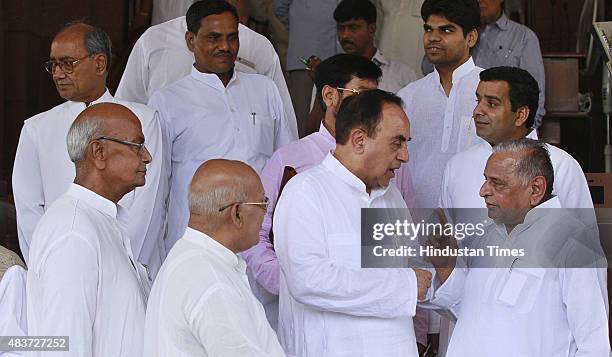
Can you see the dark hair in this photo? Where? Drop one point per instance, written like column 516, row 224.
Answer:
column 95, row 40
column 200, row 9
column 362, row 111
column 354, row 10
column 523, row 88
column 338, row 70
column 465, row 13
column 535, row 161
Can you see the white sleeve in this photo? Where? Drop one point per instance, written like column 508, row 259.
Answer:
column 27, row 190
column 314, row 278
column 277, row 76
column 62, row 294
column 284, row 133
column 585, row 299
column 134, row 84
column 445, row 200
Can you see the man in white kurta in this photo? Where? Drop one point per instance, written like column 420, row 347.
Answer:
column 440, row 105
column 201, row 303
column 525, row 306
column 497, row 118
column 83, row 280
column 43, row 171
column 206, row 118
column 160, row 57
column 329, row 306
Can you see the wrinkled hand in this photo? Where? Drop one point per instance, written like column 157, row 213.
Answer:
column 423, row 282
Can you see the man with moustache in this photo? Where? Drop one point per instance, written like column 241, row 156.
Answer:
column 161, row 57
column 79, row 62
column 216, row 112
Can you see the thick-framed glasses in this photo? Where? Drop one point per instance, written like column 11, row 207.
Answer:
column 355, row 91
column 139, row 147
column 66, row 65
column 263, row 205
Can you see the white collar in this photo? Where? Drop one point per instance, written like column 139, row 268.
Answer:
column 226, row 256
column 340, row 171
column 96, row 201
column 460, row 71
column 326, row 134
column 211, row 79
column 104, row 98
column 379, row 59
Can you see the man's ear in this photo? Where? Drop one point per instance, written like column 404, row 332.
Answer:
column 357, row 140
column 330, row 96
column 372, row 29
column 236, row 216
column 522, row 114
column 101, row 63
column 538, row 190
column 189, row 40
column 472, row 38
column 98, row 154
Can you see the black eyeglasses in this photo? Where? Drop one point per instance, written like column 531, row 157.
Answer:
column 263, row 205
column 67, row 66
column 140, row 147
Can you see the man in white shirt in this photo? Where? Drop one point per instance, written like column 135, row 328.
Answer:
column 440, row 105
column 216, row 112
column 507, row 103
column 79, row 62
column 543, row 302
column 204, row 279
column 160, row 57
column 329, row 306
column 83, row 280
column 356, row 29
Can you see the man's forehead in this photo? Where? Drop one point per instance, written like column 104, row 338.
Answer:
column 439, row 20
column 502, row 163
column 223, row 22
column 68, row 46
column 498, row 89
column 361, row 83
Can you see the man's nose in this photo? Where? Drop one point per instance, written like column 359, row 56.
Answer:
column 146, row 155
column 403, row 154
column 485, row 189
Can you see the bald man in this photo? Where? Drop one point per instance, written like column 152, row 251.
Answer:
column 79, row 61
column 83, row 281
column 203, row 278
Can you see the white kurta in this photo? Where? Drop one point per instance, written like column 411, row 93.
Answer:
column 82, row 278
column 201, row 305
column 204, row 120
column 440, row 127
column 160, row 57
column 517, row 310
column 395, row 74
column 43, row 171
column 463, row 178
column 329, row 306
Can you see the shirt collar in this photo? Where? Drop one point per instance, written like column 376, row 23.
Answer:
column 105, row 98
column 211, row 79
column 460, row 72
column 326, row 134
column 379, row 59
column 340, row 171
column 98, row 202
column 502, row 22
column 211, row 246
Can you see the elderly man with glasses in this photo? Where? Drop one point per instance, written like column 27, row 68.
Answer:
column 79, row 63
column 83, row 280
column 204, row 280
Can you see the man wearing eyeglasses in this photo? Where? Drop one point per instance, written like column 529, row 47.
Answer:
column 204, row 279
column 79, row 62
column 83, row 280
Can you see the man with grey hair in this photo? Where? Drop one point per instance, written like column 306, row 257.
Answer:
column 79, row 63
column 536, row 299
column 83, row 280
column 204, row 279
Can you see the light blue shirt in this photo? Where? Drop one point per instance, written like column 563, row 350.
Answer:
column 508, row 43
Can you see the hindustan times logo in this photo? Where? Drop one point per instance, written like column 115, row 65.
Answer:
column 412, row 230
